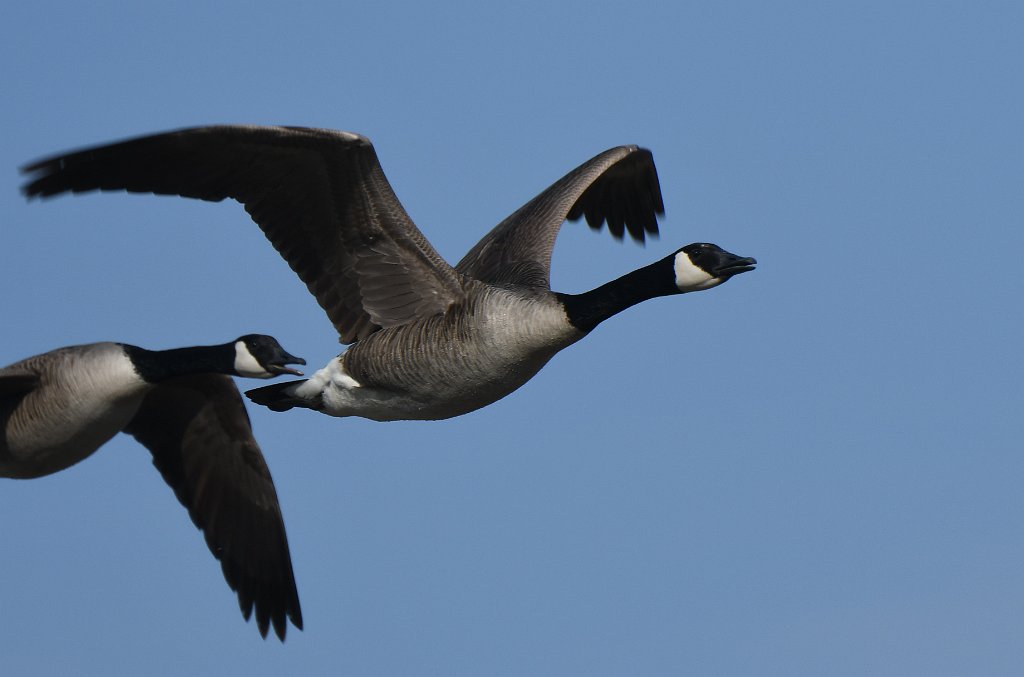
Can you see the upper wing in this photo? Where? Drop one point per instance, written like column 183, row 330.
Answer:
column 619, row 186
column 319, row 195
column 199, row 434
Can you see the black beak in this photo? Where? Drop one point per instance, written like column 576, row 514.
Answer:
column 730, row 265
column 277, row 366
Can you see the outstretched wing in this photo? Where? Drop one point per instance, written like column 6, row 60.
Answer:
column 199, row 434
column 618, row 187
column 320, row 196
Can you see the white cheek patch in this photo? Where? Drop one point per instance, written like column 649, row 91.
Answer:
column 247, row 365
column 690, row 277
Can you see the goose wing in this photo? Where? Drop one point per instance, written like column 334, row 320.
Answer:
column 199, row 434
column 16, row 382
column 320, row 196
column 618, row 187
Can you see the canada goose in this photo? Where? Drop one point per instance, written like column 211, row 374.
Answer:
column 430, row 341
column 58, row 407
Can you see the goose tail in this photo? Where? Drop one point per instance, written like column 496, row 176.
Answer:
column 281, row 396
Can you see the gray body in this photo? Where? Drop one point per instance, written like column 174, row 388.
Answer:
column 445, row 365
column 85, row 395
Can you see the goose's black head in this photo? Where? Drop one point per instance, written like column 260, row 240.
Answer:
column 261, row 356
column 703, row 265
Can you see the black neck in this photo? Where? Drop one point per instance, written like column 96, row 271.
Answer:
column 158, row 365
column 589, row 309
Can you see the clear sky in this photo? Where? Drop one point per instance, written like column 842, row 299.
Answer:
column 815, row 469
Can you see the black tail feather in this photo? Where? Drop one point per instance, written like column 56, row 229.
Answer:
column 278, row 397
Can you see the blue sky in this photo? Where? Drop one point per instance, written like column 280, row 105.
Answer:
column 814, row 469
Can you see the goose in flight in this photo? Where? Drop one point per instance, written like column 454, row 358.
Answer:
column 429, row 341
column 58, row 407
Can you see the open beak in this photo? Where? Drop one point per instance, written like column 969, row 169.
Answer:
column 277, row 365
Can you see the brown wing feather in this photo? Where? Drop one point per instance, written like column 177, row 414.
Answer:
column 320, row 197
column 199, row 434
column 618, row 187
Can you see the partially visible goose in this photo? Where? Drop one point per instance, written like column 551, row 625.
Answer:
column 430, row 341
column 59, row 407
